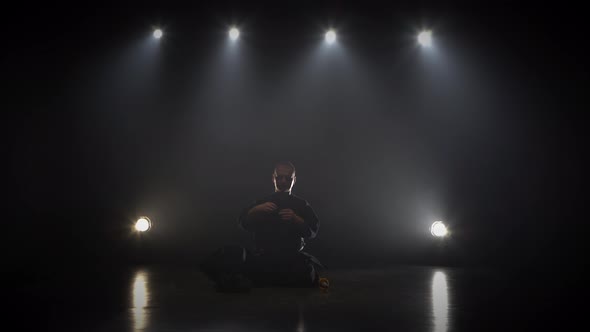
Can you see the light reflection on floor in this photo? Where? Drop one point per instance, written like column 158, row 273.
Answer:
column 401, row 298
column 440, row 302
column 300, row 322
column 140, row 295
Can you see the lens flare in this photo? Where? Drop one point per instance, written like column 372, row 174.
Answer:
column 234, row 33
column 438, row 229
column 425, row 38
column 330, row 36
column 143, row 224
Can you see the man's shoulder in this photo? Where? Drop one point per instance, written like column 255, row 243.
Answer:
column 299, row 198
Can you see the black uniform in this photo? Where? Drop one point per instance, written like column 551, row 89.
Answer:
column 277, row 258
column 275, row 236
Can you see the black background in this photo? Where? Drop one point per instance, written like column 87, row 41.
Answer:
column 501, row 158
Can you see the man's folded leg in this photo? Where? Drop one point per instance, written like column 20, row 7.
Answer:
column 226, row 267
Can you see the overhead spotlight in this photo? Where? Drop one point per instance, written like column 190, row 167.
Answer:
column 143, row 224
column 425, row 38
column 330, row 36
column 234, row 33
column 438, row 229
column 158, row 33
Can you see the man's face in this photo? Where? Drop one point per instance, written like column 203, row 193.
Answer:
column 283, row 179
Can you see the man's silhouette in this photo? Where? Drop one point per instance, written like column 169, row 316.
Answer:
column 280, row 224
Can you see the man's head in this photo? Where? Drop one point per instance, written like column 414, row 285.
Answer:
column 283, row 176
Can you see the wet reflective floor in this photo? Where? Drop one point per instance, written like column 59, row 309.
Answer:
column 402, row 298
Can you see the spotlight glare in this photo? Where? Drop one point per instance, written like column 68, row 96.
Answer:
column 425, row 38
column 330, row 36
column 143, row 224
column 438, row 229
column 234, row 33
column 158, row 33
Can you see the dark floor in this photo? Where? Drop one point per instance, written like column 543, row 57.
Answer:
column 403, row 298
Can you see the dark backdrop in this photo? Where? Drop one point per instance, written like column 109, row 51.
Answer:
column 104, row 124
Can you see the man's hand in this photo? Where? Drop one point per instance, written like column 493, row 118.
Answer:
column 289, row 215
column 268, row 207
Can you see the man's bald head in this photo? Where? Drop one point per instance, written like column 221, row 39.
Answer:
column 285, row 165
column 283, row 176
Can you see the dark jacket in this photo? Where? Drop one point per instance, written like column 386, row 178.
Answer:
column 271, row 234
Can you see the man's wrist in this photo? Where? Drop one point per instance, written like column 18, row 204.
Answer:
column 251, row 211
column 298, row 220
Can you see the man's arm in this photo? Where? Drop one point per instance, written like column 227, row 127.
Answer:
column 307, row 223
column 251, row 216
